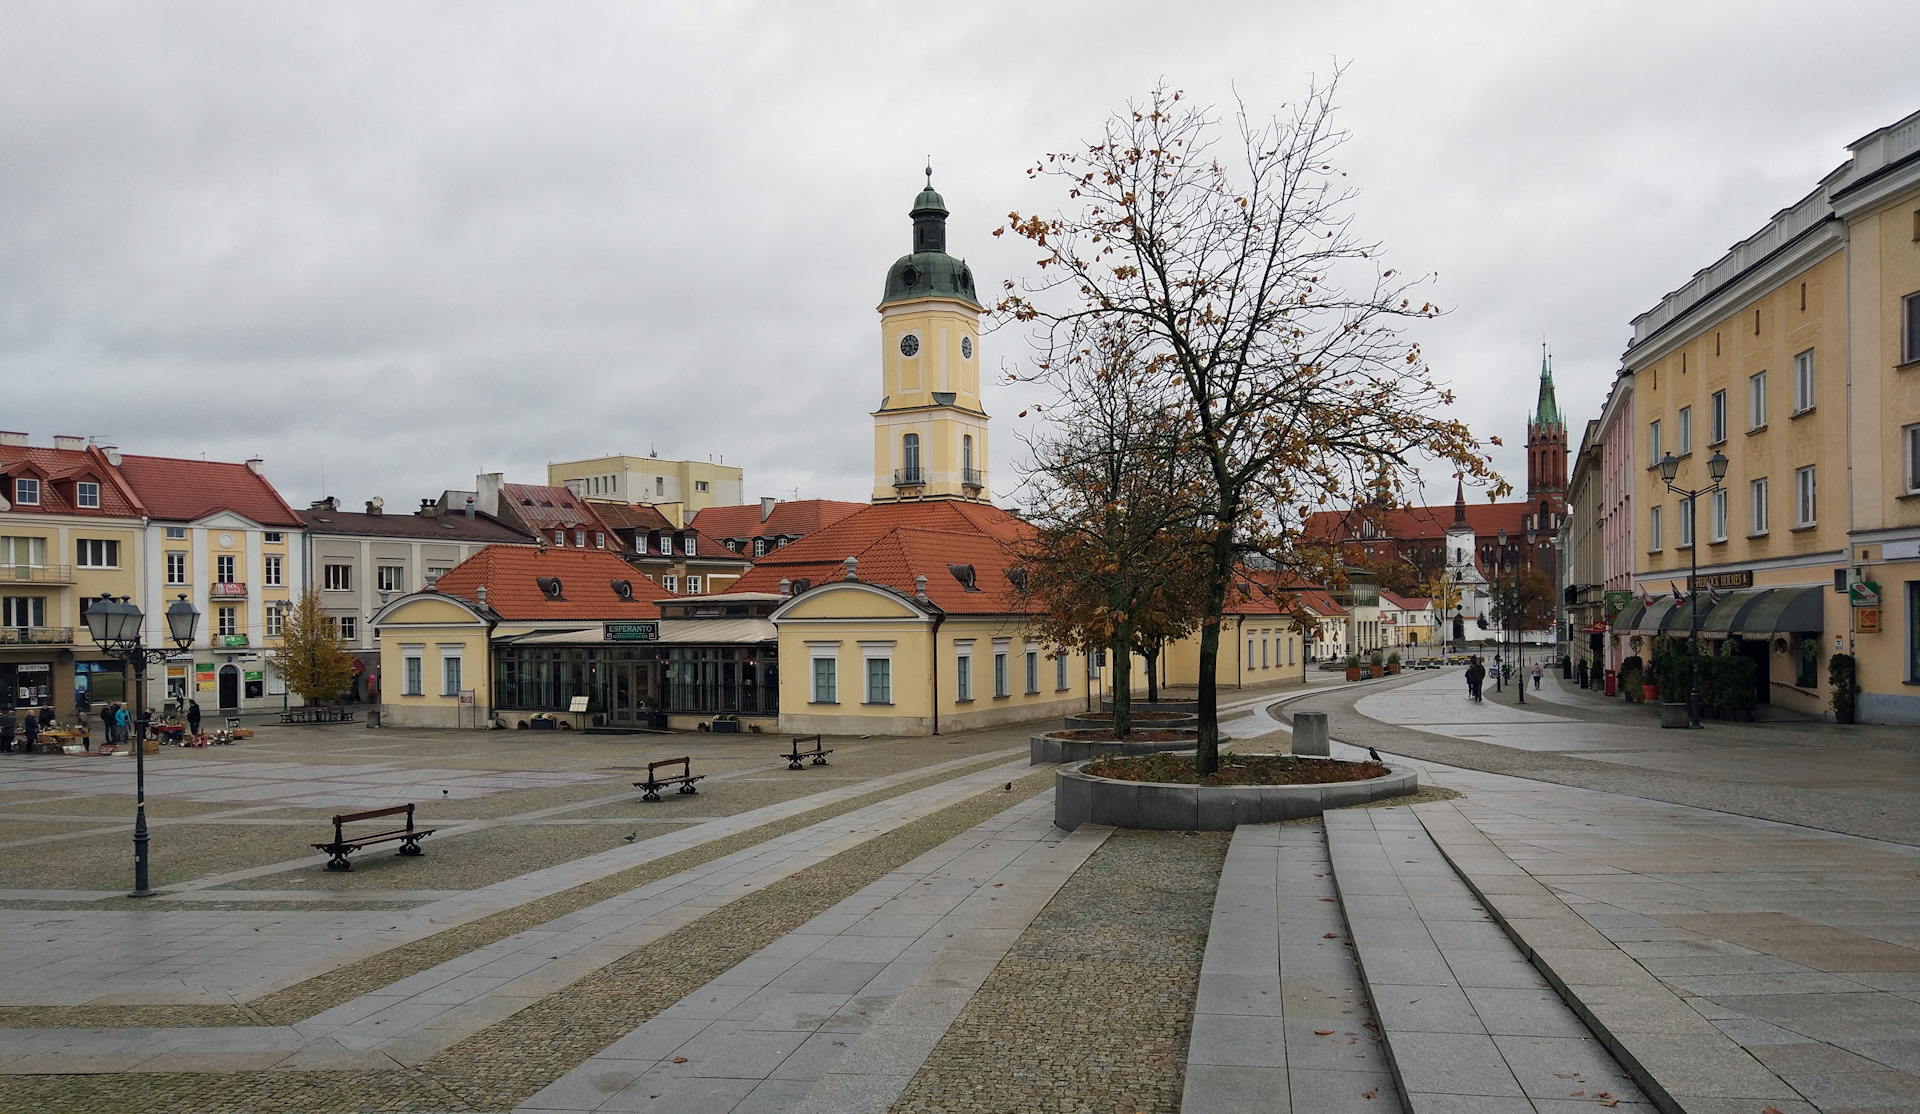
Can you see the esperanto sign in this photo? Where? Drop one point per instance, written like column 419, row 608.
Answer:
column 633, row 632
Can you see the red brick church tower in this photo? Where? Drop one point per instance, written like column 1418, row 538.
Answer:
column 1546, row 455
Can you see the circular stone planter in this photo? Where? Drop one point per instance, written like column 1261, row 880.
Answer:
column 1106, row 705
column 1059, row 746
column 1158, row 806
column 1153, row 720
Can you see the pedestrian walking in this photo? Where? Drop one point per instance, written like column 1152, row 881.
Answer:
column 120, row 719
column 1536, row 676
column 193, row 717
column 30, row 727
column 8, row 725
column 1476, row 676
column 1581, row 671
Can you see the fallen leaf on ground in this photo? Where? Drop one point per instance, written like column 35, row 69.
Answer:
column 1323, row 936
column 1323, row 1032
column 679, row 1059
column 1366, row 1094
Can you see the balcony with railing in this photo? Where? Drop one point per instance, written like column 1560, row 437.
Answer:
column 909, row 477
column 228, row 590
column 36, row 636
column 36, row 574
column 973, row 477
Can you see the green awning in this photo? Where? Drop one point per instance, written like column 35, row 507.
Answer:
column 1652, row 617
column 1628, row 618
column 1784, row 611
column 1725, row 616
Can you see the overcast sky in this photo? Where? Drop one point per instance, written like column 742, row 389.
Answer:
column 399, row 244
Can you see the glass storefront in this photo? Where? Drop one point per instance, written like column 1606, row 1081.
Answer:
column 627, row 682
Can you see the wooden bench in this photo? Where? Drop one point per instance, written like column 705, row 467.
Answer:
column 655, row 783
column 818, row 754
column 341, row 846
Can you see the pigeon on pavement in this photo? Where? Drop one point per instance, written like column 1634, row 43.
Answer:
column 631, row 836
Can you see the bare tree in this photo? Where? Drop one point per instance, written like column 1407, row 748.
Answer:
column 1115, row 557
column 1252, row 295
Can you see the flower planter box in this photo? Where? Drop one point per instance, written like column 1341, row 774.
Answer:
column 726, row 727
column 1158, row 806
column 1147, row 720
column 1650, row 693
column 1353, row 673
column 1376, row 670
column 1673, row 715
column 1060, row 746
column 1393, row 668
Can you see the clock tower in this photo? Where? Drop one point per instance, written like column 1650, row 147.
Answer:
column 930, row 432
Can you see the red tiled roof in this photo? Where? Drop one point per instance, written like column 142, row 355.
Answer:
column 509, row 572
column 896, row 542
column 187, row 490
column 544, row 509
column 58, row 467
column 631, row 516
column 1421, row 523
column 1405, row 603
column 791, row 519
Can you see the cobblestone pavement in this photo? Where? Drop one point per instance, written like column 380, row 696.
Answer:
column 507, row 1062
column 1843, row 779
column 1090, row 1011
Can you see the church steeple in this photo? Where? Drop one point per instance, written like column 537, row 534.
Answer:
column 1459, row 501
column 1546, row 452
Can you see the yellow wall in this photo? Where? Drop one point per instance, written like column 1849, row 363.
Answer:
column 434, row 629
column 908, row 384
column 1234, row 668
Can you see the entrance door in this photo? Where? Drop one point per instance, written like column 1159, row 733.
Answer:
column 622, row 692
column 229, row 687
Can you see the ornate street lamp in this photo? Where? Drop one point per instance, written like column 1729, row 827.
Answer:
column 115, row 626
column 1717, row 471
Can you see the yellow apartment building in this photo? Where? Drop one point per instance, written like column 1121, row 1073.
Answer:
column 1793, row 357
column 679, row 489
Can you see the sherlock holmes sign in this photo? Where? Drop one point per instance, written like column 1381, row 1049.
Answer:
column 633, row 632
column 1741, row 579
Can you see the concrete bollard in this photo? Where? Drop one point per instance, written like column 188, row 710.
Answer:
column 1310, row 735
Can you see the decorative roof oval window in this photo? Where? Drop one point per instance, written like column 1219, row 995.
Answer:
column 909, row 345
column 966, row 348
column 910, row 276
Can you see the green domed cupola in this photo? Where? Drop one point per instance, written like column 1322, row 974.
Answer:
column 929, row 272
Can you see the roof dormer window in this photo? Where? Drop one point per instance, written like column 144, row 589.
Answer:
column 86, row 494
column 26, row 491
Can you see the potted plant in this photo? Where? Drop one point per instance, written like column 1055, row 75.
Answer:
column 1631, row 680
column 1375, row 664
column 1844, row 676
column 1393, row 662
column 1353, row 667
column 726, row 725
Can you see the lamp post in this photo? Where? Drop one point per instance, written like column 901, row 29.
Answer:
column 115, row 626
column 1717, row 471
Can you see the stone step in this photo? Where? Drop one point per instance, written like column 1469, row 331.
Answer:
column 1282, row 1022
column 1469, row 1023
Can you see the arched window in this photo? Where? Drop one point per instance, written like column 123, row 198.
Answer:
column 910, row 456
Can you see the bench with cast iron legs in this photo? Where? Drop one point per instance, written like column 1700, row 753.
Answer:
column 409, row 837
column 655, row 782
column 818, row 753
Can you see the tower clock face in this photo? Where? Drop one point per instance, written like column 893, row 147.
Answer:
column 909, row 345
column 966, row 348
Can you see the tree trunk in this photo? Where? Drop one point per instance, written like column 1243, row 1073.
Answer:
column 1153, row 672
column 1207, row 753
column 1121, row 651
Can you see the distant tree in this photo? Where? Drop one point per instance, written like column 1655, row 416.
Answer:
column 1522, row 599
column 1240, row 278
column 1114, row 561
column 311, row 659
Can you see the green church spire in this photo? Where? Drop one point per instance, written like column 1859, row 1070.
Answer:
column 1547, row 410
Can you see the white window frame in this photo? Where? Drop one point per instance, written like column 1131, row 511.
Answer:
column 1910, row 445
column 693, row 584
column 273, row 537
column 390, row 578
column 226, row 620
column 876, row 678
column 1683, row 430
column 671, row 583
column 226, row 569
column 1033, row 669
column 1717, row 516
column 1806, row 493
column 1653, row 528
column 699, row 485
column 450, row 668
column 96, row 553
column 1060, row 671
column 962, row 672
column 1757, row 400
column 413, row 678
column 1653, row 442
column 1803, row 384
column 1910, row 329
column 176, row 533
column 18, row 552
column 176, row 574
column 1717, row 417
column 828, row 652
column 1757, row 507
column 86, row 494
column 26, row 491
column 1002, row 682
column 273, row 570
column 336, row 578
column 31, row 608
column 349, row 628
column 686, row 546
column 276, row 616
column 1686, row 524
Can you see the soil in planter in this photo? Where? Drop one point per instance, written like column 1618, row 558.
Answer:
column 1179, row 769
column 1138, row 717
column 1105, row 735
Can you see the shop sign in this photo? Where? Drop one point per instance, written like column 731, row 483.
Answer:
column 467, row 698
column 1618, row 602
column 207, row 667
column 254, row 675
column 1594, row 628
column 1863, row 593
column 34, row 667
column 1866, row 620
column 233, row 640
column 633, row 632
column 1741, row 579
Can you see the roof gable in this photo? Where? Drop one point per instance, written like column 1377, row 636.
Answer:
column 511, row 575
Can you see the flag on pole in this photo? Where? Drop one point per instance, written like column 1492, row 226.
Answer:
column 1678, row 595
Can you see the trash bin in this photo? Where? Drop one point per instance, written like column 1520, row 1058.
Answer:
column 373, row 716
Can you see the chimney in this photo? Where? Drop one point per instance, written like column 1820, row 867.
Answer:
column 111, row 452
column 766, row 506
column 920, row 586
column 428, row 509
column 481, row 592
column 786, row 587
column 376, row 505
column 853, row 564
column 487, row 487
column 257, row 466
column 327, row 504
column 69, row 442
column 9, row 437
column 469, row 506
column 578, row 487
